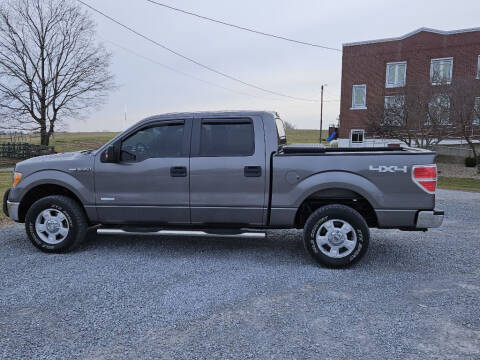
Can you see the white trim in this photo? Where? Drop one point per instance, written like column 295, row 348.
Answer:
column 478, row 68
column 431, row 70
column 359, row 107
column 430, row 30
column 387, row 73
column 476, row 119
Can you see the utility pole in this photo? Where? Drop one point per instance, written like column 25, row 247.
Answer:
column 321, row 113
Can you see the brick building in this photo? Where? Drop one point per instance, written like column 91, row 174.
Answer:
column 375, row 72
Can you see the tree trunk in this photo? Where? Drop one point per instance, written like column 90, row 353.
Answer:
column 472, row 147
column 44, row 136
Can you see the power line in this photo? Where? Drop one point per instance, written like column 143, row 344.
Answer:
column 242, row 27
column 181, row 72
column 190, row 75
column 193, row 60
column 185, row 73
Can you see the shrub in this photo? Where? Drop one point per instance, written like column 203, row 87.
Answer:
column 470, row 162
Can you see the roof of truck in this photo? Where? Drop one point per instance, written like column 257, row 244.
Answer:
column 179, row 115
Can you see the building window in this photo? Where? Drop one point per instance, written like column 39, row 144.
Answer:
column 394, row 110
column 439, row 111
column 356, row 136
column 478, row 67
column 476, row 112
column 441, row 71
column 359, row 97
column 396, row 74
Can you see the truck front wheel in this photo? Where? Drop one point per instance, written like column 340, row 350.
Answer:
column 56, row 224
column 336, row 236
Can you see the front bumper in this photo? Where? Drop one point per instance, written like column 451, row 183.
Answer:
column 429, row 219
column 10, row 208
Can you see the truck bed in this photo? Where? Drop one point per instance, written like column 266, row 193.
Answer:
column 320, row 149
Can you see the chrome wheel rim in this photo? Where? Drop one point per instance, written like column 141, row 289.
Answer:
column 52, row 226
column 336, row 238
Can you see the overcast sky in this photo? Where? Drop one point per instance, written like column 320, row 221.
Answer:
column 147, row 88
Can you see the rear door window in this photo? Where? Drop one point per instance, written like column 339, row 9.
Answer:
column 227, row 138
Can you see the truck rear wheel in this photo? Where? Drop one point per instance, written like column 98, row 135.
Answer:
column 56, row 224
column 336, row 236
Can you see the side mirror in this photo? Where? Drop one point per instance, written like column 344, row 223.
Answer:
column 108, row 155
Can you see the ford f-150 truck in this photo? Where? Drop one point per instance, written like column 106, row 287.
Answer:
column 224, row 174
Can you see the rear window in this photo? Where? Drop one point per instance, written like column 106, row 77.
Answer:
column 229, row 138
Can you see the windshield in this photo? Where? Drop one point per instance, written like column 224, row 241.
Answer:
column 282, row 137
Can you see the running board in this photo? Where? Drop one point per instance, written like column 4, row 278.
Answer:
column 199, row 233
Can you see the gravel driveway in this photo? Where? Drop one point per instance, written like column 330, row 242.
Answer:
column 414, row 296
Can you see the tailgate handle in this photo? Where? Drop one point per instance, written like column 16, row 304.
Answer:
column 178, row 171
column 252, row 171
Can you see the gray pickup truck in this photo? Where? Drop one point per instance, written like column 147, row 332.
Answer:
column 226, row 174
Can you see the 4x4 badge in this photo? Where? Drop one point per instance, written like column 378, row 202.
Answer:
column 390, row 169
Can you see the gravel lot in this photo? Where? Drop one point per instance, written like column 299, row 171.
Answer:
column 414, row 296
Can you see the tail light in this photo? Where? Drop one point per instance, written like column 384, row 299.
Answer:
column 425, row 176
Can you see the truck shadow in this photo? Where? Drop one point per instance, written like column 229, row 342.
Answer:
column 385, row 253
column 283, row 246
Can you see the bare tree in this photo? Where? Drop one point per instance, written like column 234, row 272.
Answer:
column 419, row 115
column 51, row 68
column 465, row 110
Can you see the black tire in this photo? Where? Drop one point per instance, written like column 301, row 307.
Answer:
column 346, row 214
column 74, row 215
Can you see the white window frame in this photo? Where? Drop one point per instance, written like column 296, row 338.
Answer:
column 476, row 119
column 478, row 67
column 359, row 107
column 360, row 131
column 387, row 74
column 432, row 61
column 385, row 105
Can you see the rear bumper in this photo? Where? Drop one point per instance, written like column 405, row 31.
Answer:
column 429, row 219
column 409, row 219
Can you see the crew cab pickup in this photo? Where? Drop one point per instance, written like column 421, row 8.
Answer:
column 224, row 174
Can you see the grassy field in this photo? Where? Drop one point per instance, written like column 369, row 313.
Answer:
column 454, row 183
column 305, row 136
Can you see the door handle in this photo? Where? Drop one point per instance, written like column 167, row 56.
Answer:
column 178, row 171
column 252, row 171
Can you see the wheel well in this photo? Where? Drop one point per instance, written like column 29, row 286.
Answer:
column 335, row 196
column 40, row 192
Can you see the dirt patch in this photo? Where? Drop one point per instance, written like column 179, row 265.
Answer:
column 6, row 222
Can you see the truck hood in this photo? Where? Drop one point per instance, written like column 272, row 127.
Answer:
column 61, row 162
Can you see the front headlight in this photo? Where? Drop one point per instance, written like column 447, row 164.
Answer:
column 16, row 178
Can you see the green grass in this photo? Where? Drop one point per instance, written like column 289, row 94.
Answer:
column 305, row 136
column 454, row 183
column 5, row 183
column 65, row 142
